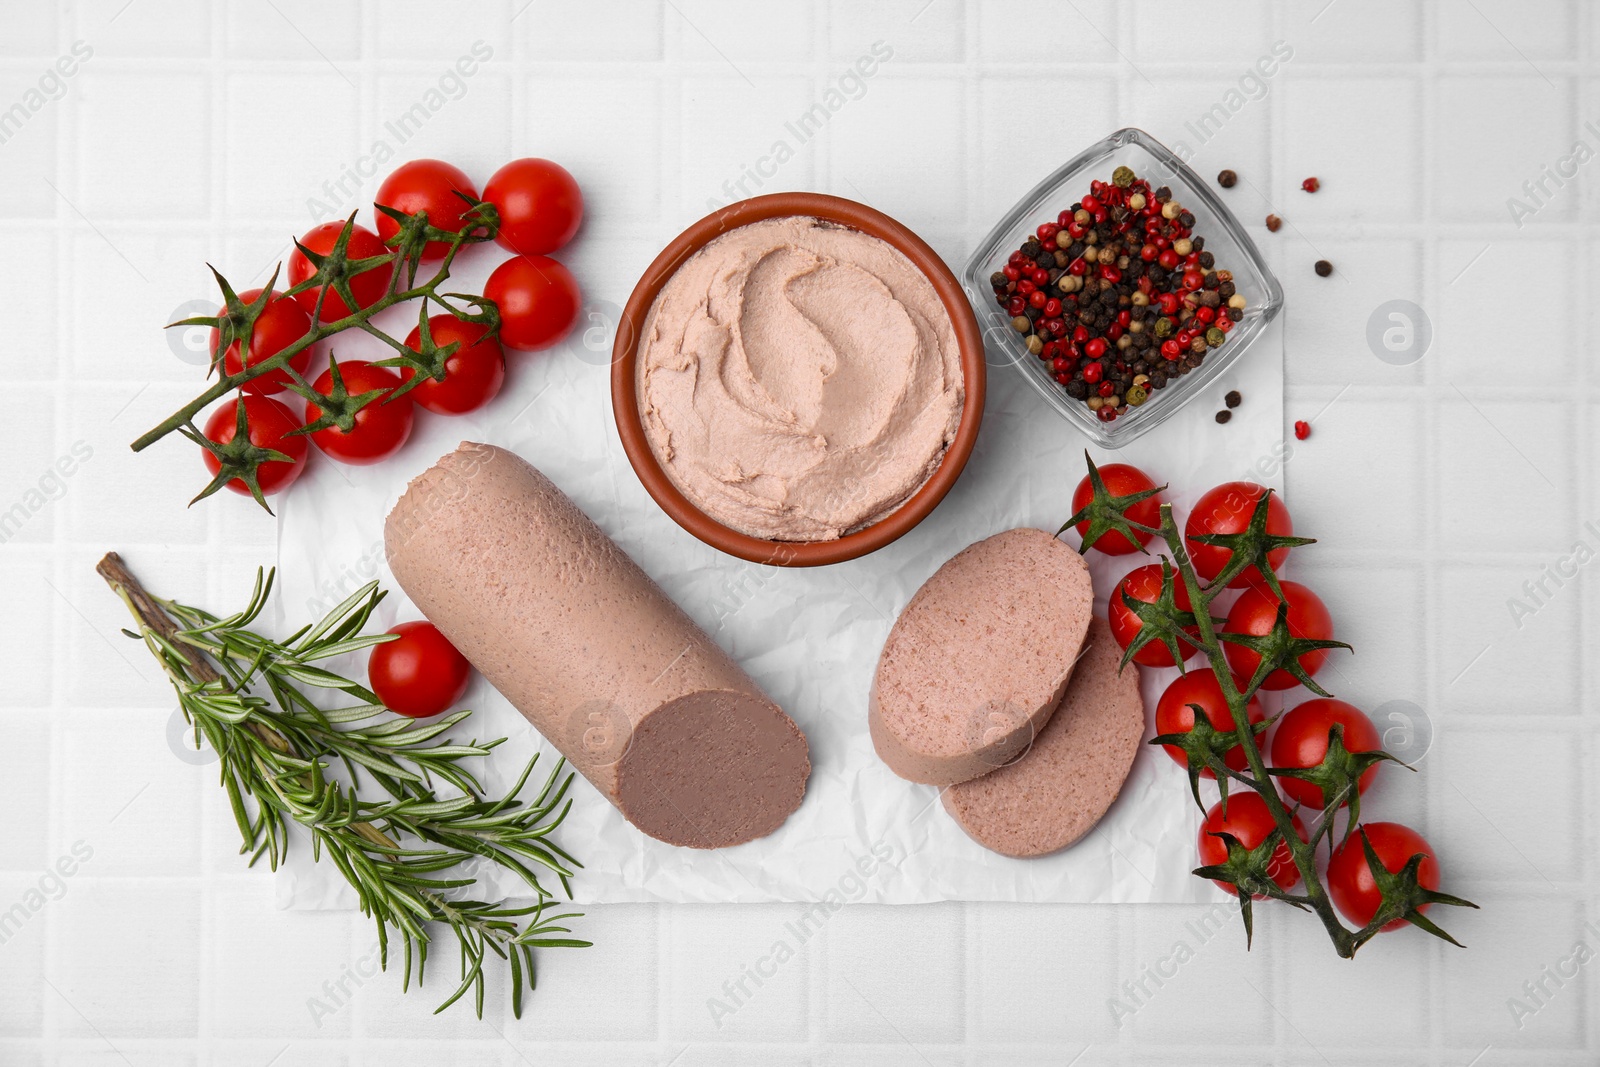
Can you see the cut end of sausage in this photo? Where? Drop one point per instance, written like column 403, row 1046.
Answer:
column 976, row 664
column 713, row 769
column 1067, row 781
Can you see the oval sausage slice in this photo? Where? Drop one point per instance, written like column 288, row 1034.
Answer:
column 978, row 660
column 592, row 652
column 1055, row 793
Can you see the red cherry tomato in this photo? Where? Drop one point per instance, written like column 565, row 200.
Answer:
column 1254, row 613
column 1121, row 479
column 1144, row 583
column 430, row 186
column 1227, row 510
column 420, row 674
column 269, row 422
column 473, row 374
column 368, row 287
column 1175, row 716
column 381, row 427
column 538, row 301
column 1249, row 821
column 540, row 206
column 1350, row 882
column 281, row 323
column 1301, row 740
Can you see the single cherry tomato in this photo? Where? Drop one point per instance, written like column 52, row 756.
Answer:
column 1121, row 479
column 420, row 674
column 381, row 427
column 281, row 323
column 1254, row 613
column 540, row 205
column 368, row 287
column 1175, row 716
column 1249, row 820
column 473, row 373
column 1144, row 583
column 426, row 186
column 538, row 300
column 269, row 424
column 1301, row 740
column 1227, row 510
column 1350, row 882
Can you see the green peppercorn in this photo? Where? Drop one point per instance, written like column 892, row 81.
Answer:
column 1137, row 394
column 1165, row 326
column 1122, row 177
column 1215, row 337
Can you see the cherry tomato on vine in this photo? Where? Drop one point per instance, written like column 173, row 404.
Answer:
column 1254, row 613
column 1144, row 583
column 368, row 287
column 381, row 427
column 540, row 205
column 1301, row 740
column 426, row 185
column 1175, row 716
column 1350, row 882
column 1227, row 510
column 538, row 300
column 1249, row 820
column 420, row 674
column 269, row 422
column 473, row 373
column 1121, row 479
column 281, row 323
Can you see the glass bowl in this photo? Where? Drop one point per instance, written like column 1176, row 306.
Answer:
column 1225, row 239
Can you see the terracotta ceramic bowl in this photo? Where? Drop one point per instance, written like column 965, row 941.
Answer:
column 624, row 381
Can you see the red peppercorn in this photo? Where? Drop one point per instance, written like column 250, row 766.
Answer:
column 1091, row 204
column 1205, row 314
column 1037, row 298
column 1302, row 428
column 1311, row 185
column 1041, row 276
column 1077, row 267
column 1060, row 363
column 1064, row 220
column 1169, row 303
column 1052, row 308
column 1224, row 323
column 1107, row 389
column 1149, row 252
column 1107, row 413
column 1095, row 348
column 1026, row 286
column 1193, row 279
column 1057, row 327
column 1016, row 305
column 1080, row 334
column 1110, row 273
column 1168, row 259
column 1076, row 230
column 1093, row 372
column 1114, row 331
column 1047, row 231
column 1063, row 377
column 1100, row 215
column 1171, row 349
column 1124, row 317
column 1010, row 271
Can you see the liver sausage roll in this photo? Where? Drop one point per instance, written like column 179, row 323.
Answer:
column 977, row 662
column 590, row 650
column 1061, row 787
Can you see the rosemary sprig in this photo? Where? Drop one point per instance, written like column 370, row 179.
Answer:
column 246, row 695
column 1248, row 870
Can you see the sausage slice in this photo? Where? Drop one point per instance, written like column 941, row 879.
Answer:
column 592, row 652
column 1055, row 793
column 977, row 662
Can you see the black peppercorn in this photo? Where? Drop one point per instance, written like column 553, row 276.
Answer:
column 1226, row 289
column 1198, row 244
column 1077, row 389
column 1227, row 179
column 1163, row 193
column 1323, row 268
column 1232, row 398
column 1236, row 314
column 1224, row 416
column 1186, row 219
column 998, row 280
column 1207, row 261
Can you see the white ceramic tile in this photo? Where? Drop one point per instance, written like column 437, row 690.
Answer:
column 1177, row 953
column 1225, row 42
column 294, row 30
column 1383, row 116
column 871, row 951
column 31, row 32
column 26, row 899
column 1504, row 129
column 1013, row 31
column 1214, row 124
column 336, row 959
column 618, row 174
column 128, row 284
column 25, row 791
column 561, row 31
column 913, row 31
column 575, row 984
column 180, row 30
column 1532, row 30
column 872, row 140
column 1514, row 272
column 1067, row 952
column 157, row 125
column 1329, row 322
column 278, row 184
column 100, row 977
column 1354, row 31
column 1496, row 630
column 739, row 974
column 31, row 487
column 407, row 30
column 739, row 35
column 1387, row 987
column 1486, row 446
column 29, row 138
column 28, row 629
column 738, row 140
column 1008, row 165
column 1481, row 984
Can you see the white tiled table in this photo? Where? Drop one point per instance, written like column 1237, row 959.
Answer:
column 197, row 132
